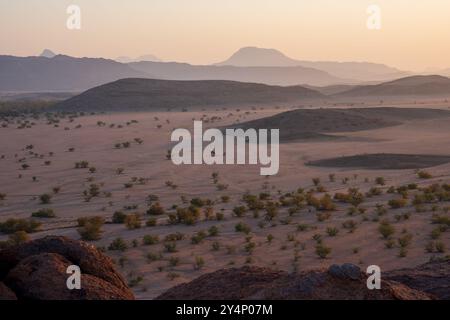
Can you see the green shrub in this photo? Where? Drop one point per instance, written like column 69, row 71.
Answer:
column 174, row 237
column 45, row 198
column 150, row 240
column 386, row 229
column 119, row 217
column 198, row 237
column 322, row 251
column 404, row 240
column 271, row 211
column 332, row 232
column 151, row 222
column 156, row 209
column 213, row 231
column 133, row 221
column 353, row 196
column 397, row 203
column 89, row 228
column 118, row 244
column 239, row 211
column 242, row 227
column 188, row 216
column 13, row 225
column 422, row 174
column 380, row 180
column 170, row 247
column 44, row 213
column 199, row 263
column 18, row 237
column 197, row 202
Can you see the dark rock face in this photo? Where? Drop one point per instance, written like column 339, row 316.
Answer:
column 37, row 270
column 6, row 293
column 232, row 284
column 432, row 277
column 345, row 271
column 344, row 282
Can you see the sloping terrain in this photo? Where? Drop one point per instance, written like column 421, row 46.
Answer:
column 409, row 86
column 148, row 94
column 313, row 123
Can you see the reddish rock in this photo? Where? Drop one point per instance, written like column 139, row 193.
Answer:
column 432, row 277
column 37, row 270
column 86, row 256
column 43, row 277
column 231, row 284
column 339, row 282
column 6, row 293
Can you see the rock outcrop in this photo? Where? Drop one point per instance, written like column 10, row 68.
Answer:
column 432, row 277
column 37, row 270
column 339, row 282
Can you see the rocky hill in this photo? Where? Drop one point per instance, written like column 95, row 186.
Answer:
column 149, row 94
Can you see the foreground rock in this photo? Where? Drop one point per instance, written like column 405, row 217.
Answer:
column 37, row 270
column 432, row 277
column 338, row 282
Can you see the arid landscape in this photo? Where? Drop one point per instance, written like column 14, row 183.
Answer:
column 122, row 127
column 165, row 224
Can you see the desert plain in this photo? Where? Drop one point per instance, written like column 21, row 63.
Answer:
column 278, row 225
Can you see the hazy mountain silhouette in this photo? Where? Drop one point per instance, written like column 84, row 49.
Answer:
column 268, row 75
column 60, row 73
column 149, row 94
column 415, row 85
column 146, row 57
column 357, row 71
column 47, row 53
column 258, row 57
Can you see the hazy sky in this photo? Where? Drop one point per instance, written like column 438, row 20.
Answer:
column 414, row 35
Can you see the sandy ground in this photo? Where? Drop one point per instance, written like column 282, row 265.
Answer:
column 95, row 144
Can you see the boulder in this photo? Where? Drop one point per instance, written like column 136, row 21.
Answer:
column 37, row 270
column 86, row 256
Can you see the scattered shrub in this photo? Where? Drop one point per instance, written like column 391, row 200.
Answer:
column 44, row 213
column 149, row 240
column 13, row 225
column 132, row 221
column 89, row 228
column 118, row 244
column 322, row 251
column 386, row 229
column 119, row 217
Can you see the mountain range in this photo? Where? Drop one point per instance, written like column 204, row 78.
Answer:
column 356, row 71
column 409, row 86
column 50, row 72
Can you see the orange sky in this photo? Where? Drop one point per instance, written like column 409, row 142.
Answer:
column 415, row 34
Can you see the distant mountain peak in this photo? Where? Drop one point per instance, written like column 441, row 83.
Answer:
column 47, row 53
column 146, row 57
column 255, row 57
column 352, row 71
